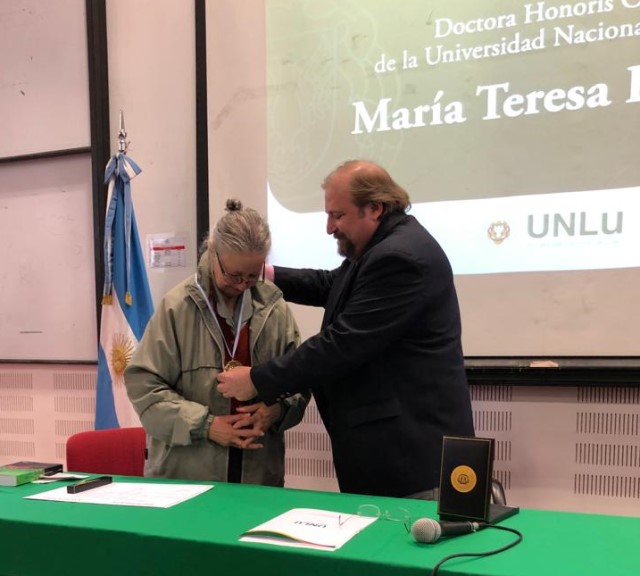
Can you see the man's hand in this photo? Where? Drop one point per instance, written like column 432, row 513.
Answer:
column 235, row 430
column 260, row 415
column 236, row 383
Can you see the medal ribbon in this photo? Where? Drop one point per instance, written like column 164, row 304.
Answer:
column 231, row 353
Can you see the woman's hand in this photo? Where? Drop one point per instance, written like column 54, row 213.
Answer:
column 237, row 430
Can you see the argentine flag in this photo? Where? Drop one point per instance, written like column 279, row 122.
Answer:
column 126, row 301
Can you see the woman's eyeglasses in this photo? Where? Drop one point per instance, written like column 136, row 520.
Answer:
column 249, row 279
column 373, row 511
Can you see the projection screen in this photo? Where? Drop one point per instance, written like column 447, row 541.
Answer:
column 514, row 127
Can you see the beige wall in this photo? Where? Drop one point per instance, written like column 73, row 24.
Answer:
column 151, row 50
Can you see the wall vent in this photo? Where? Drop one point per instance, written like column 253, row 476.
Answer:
column 10, row 380
column 309, row 467
column 17, row 448
column 502, row 451
column 492, row 420
column 490, row 393
column 308, row 441
column 608, row 395
column 16, row 426
column 16, row 403
column 504, row 477
column 68, row 427
column 608, row 423
column 623, row 455
column 312, row 416
column 77, row 405
column 61, row 451
column 609, row 486
column 74, row 381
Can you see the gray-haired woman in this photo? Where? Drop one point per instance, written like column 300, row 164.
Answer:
column 224, row 316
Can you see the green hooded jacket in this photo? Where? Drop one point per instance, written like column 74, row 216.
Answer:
column 171, row 381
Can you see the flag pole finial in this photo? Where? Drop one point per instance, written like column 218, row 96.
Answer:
column 123, row 145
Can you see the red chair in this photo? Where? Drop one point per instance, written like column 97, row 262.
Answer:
column 119, row 451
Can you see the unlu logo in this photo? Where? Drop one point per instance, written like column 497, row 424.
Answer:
column 499, row 231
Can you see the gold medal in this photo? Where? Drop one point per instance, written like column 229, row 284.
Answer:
column 463, row 479
column 231, row 365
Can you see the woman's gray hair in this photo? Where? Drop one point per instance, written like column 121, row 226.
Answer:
column 240, row 230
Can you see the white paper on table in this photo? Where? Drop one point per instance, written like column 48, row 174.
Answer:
column 128, row 494
column 59, row 476
column 308, row 528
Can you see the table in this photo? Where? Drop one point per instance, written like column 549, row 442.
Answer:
column 200, row 537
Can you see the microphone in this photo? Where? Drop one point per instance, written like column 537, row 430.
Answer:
column 426, row 530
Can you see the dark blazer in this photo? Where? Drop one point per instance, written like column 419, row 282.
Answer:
column 386, row 369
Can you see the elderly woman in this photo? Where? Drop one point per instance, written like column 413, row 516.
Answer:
column 223, row 317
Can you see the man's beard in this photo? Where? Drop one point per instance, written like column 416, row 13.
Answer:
column 346, row 248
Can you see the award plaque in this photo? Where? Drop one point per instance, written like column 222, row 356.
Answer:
column 465, row 481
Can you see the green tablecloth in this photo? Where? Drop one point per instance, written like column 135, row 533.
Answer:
column 200, row 537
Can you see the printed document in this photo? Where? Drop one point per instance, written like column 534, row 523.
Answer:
column 309, row 528
column 128, row 494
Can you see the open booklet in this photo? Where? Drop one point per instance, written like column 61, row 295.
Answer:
column 308, row 528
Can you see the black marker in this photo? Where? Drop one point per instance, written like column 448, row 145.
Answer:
column 89, row 484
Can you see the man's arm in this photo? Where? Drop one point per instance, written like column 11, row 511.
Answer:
column 389, row 293
column 304, row 286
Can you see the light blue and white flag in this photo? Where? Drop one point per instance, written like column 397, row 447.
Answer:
column 126, row 300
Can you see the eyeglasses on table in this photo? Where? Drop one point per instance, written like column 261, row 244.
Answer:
column 395, row 514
